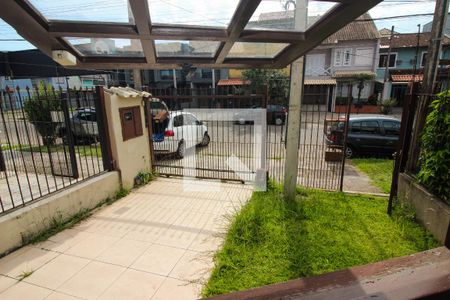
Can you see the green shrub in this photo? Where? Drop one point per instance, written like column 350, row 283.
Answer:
column 387, row 105
column 435, row 148
column 372, row 100
column 143, row 177
column 38, row 110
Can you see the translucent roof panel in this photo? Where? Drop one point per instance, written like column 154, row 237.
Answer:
column 186, row 48
column 107, row 46
column 87, row 10
column 255, row 50
column 215, row 13
column 10, row 40
column 280, row 15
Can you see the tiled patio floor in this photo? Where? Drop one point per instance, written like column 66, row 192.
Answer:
column 156, row 243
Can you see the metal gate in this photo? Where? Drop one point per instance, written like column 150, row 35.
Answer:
column 201, row 139
column 50, row 139
column 320, row 165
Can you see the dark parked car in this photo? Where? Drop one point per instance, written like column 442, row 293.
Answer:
column 276, row 114
column 371, row 134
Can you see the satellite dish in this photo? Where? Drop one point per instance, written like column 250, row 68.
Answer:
column 101, row 47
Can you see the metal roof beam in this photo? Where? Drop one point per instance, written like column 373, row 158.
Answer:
column 241, row 16
column 329, row 24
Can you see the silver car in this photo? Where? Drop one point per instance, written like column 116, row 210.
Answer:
column 83, row 125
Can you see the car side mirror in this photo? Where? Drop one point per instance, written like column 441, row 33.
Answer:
column 199, row 123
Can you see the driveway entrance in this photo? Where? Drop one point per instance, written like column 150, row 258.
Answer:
column 156, row 243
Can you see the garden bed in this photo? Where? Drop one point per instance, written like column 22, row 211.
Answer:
column 432, row 212
column 272, row 241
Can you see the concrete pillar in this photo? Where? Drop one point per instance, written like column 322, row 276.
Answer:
column 386, row 90
column 295, row 96
column 174, row 75
column 137, row 79
column 130, row 155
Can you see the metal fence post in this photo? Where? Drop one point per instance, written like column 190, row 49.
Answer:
column 103, row 132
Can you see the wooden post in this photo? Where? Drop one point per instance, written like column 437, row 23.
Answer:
column 429, row 79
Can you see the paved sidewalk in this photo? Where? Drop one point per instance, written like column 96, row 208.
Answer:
column 156, row 243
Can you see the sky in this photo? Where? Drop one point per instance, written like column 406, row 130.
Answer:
column 201, row 12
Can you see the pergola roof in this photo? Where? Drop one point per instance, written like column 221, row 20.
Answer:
column 244, row 36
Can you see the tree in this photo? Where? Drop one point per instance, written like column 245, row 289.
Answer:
column 361, row 79
column 276, row 81
column 38, row 110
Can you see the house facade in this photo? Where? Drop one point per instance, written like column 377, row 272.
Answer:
column 331, row 67
column 402, row 62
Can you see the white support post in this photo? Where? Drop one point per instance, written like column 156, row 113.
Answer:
column 295, row 96
column 174, row 73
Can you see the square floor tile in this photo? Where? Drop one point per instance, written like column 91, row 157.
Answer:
column 177, row 236
column 133, row 285
column 206, row 242
column 193, row 266
column 177, row 289
column 64, row 240
column 70, row 235
column 124, row 252
column 6, row 282
column 146, row 232
column 57, row 271
column 26, row 291
column 92, row 246
column 158, row 259
column 60, row 296
column 92, row 280
column 25, row 260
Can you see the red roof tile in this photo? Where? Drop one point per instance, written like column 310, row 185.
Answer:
column 406, row 77
column 408, row 40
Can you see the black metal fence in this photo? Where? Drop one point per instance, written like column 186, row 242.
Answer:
column 320, row 166
column 50, row 139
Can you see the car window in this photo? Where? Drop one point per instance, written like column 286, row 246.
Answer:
column 391, row 127
column 178, row 121
column 86, row 116
column 189, row 120
column 356, row 127
column 369, row 127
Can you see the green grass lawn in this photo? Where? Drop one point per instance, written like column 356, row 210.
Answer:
column 271, row 240
column 82, row 150
column 379, row 171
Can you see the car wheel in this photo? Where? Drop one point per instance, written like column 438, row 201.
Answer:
column 349, row 152
column 65, row 137
column 181, row 150
column 205, row 141
column 278, row 121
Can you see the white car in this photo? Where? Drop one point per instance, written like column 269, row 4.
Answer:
column 184, row 130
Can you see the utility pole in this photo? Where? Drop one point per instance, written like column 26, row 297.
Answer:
column 295, row 97
column 388, row 60
column 416, row 55
column 429, row 79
